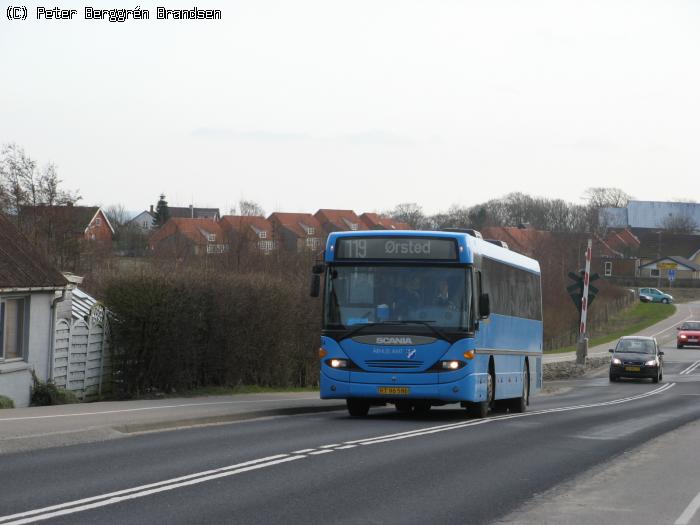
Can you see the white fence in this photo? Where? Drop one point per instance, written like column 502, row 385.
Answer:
column 81, row 358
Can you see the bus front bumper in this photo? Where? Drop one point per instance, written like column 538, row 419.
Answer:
column 471, row 387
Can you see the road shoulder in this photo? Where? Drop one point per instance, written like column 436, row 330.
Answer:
column 652, row 484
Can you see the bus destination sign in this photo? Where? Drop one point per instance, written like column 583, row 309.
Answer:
column 422, row 248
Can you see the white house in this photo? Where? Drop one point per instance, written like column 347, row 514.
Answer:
column 30, row 289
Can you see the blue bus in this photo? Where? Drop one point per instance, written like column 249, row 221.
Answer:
column 420, row 319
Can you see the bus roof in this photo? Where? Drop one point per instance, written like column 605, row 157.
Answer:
column 469, row 246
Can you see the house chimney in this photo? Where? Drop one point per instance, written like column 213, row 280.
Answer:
column 191, row 211
column 151, row 209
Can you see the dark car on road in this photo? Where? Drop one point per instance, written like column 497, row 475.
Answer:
column 637, row 356
column 688, row 334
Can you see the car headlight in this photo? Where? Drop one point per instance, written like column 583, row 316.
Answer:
column 683, row 336
column 616, row 361
column 651, row 362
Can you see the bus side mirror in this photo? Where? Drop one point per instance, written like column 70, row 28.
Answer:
column 484, row 306
column 315, row 285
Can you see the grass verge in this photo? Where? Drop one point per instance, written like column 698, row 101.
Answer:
column 627, row 322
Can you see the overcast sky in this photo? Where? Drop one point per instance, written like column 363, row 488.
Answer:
column 306, row 104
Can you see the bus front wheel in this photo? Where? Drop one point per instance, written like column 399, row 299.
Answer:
column 481, row 409
column 357, row 407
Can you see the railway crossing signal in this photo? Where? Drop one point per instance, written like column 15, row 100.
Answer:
column 575, row 290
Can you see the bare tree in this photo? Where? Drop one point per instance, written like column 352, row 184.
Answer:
column 250, row 208
column 606, row 197
column 410, row 213
column 117, row 216
column 680, row 224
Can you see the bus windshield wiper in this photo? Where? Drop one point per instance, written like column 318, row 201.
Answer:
column 439, row 333
column 434, row 329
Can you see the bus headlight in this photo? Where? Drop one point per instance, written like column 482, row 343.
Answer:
column 452, row 365
column 337, row 363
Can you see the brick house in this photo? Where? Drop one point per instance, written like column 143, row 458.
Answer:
column 339, row 221
column 29, row 290
column 297, row 232
column 248, row 233
column 185, row 237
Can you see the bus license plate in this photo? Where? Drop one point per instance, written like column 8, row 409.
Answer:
column 632, row 369
column 393, row 390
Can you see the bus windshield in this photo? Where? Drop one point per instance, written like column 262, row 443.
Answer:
column 363, row 294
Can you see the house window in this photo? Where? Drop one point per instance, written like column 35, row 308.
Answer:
column 654, row 272
column 262, row 235
column 98, row 221
column 309, row 230
column 608, row 269
column 353, row 226
column 13, row 323
column 211, row 237
column 216, row 248
column 312, row 242
column 266, row 246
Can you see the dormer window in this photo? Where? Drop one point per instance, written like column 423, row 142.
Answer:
column 353, row 226
column 262, row 235
column 308, row 229
column 211, row 237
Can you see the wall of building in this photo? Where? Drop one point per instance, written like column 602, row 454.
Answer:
column 15, row 376
column 650, row 214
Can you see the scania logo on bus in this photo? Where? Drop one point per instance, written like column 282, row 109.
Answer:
column 394, row 341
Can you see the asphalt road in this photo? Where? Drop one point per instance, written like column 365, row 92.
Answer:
column 326, row 467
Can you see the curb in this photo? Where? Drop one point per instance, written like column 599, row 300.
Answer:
column 228, row 418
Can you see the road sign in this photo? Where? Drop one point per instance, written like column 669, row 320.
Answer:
column 667, row 265
column 672, row 275
column 575, row 290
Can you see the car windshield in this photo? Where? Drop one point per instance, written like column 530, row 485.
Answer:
column 363, row 294
column 636, row 346
column 690, row 326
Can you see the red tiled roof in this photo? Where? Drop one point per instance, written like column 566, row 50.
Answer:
column 294, row 222
column 340, row 220
column 194, row 229
column 374, row 221
column 622, row 239
column 525, row 241
column 245, row 223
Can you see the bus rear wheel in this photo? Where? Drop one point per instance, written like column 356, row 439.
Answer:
column 357, row 407
column 519, row 404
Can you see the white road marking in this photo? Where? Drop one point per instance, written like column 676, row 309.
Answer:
column 689, row 512
column 353, row 446
column 690, row 368
column 329, row 446
column 212, row 403
column 673, row 325
column 3, row 519
column 201, row 477
column 305, row 451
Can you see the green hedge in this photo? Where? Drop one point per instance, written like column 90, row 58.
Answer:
column 179, row 331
